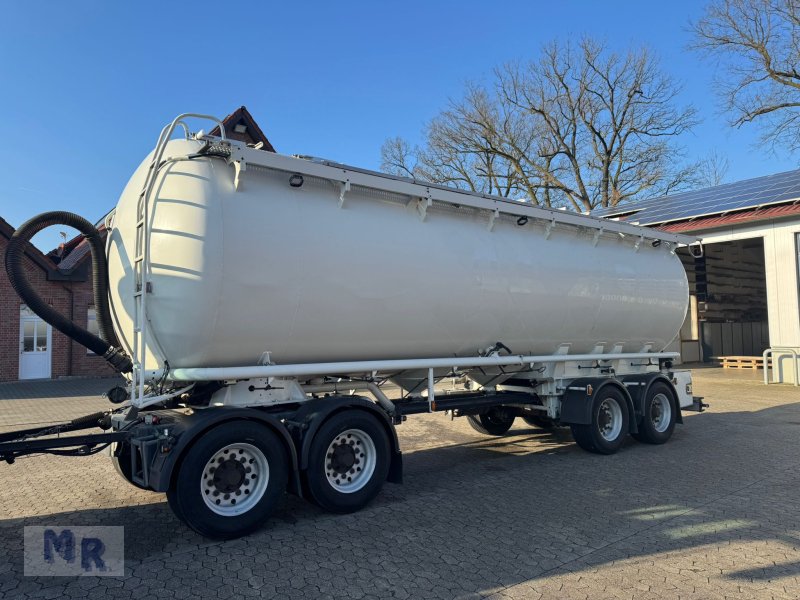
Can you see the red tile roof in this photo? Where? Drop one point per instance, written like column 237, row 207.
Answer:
column 737, row 218
column 252, row 133
column 74, row 251
column 6, row 230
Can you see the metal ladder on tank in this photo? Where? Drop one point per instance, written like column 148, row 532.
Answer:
column 141, row 258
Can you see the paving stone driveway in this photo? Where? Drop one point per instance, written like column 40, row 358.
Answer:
column 713, row 514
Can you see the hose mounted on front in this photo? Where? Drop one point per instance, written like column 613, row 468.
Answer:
column 106, row 345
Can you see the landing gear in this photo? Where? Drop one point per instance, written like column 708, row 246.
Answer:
column 230, row 480
column 495, row 421
column 606, row 432
column 348, row 461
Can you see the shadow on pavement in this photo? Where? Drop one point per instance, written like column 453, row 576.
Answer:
column 491, row 513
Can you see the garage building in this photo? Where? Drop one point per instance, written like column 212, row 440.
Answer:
column 745, row 290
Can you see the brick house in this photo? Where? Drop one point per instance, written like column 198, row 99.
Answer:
column 32, row 349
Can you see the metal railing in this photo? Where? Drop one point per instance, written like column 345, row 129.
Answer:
column 778, row 349
column 141, row 259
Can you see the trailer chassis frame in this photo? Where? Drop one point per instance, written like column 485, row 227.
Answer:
column 80, row 445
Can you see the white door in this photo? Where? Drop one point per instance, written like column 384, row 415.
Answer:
column 35, row 343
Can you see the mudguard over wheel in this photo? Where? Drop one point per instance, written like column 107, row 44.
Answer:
column 348, row 461
column 495, row 421
column 230, row 480
column 660, row 413
column 121, row 459
column 606, row 432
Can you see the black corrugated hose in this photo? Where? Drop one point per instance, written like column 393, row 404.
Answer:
column 107, row 345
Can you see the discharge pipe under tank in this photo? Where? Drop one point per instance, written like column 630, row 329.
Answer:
column 107, row 345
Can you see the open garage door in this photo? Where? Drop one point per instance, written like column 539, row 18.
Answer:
column 730, row 300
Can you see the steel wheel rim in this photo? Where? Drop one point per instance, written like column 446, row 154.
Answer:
column 610, row 419
column 234, row 479
column 350, row 461
column 660, row 412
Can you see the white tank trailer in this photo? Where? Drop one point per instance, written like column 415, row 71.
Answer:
column 264, row 306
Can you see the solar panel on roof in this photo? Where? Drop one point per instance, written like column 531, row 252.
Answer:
column 760, row 191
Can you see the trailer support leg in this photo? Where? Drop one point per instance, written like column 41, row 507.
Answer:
column 431, row 393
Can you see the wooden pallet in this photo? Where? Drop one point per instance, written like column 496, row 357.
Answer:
column 741, row 362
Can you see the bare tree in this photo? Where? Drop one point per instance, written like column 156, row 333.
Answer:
column 758, row 44
column 711, row 171
column 456, row 153
column 399, row 158
column 581, row 127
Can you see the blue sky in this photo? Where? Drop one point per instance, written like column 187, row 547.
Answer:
column 87, row 86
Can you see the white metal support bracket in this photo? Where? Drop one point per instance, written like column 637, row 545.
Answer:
column 549, row 229
column 344, row 189
column 493, row 218
column 239, row 167
column 423, row 204
column 597, row 235
column 638, row 243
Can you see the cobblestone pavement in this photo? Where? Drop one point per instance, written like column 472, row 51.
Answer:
column 32, row 403
column 712, row 514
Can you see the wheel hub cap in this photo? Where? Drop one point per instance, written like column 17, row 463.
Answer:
column 228, row 477
column 234, row 479
column 660, row 413
column 350, row 461
column 343, row 457
column 609, row 419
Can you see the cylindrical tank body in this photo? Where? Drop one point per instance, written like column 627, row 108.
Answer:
column 286, row 270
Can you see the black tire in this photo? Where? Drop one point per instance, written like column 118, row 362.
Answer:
column 540, row 422
column 186, row 497
column 172, row 502
column 660, row 414
column 609, row 426
column 495, row 421
column 349, row 441
column 121, row 459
